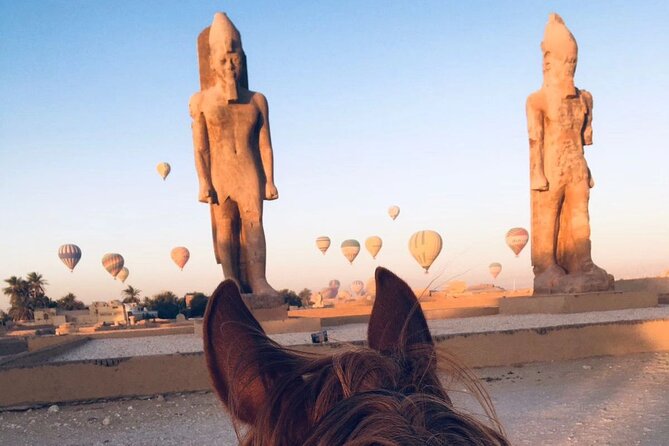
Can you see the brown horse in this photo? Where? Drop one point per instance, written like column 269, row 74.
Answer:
column 387, row 394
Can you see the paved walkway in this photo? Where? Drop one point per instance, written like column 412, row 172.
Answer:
column 154, row 345
column 596, row 401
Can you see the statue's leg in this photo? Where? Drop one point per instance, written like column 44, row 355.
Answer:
column 225, row 228
column 253, row 248
column 546, row 209
column 574, row 239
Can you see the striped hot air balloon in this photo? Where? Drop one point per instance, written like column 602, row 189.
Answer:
column 70, row 255
column 425, row 246
column 113, row 263
column 394, row 211
column 180, row 255
column 123, row 274
column 495, row 268
column 517, row 238
column 373, row 245
column 357, row 286
column 350, row 248
column 323, row 243
column 163, row 169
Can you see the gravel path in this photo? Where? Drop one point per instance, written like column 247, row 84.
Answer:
column 156, row 345
column 596, row 401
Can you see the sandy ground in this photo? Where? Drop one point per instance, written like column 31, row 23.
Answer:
column 596, row 401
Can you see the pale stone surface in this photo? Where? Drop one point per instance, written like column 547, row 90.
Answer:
column 559, row 118
column 233, row 155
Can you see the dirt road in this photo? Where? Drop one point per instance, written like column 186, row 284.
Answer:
column 597, row 401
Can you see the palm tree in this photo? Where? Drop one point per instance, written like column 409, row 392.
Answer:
column 70, row 302
column 36, row 283
column 131, row 295
column 19, row 298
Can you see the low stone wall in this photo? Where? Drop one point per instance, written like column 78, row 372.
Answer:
column 150, row 375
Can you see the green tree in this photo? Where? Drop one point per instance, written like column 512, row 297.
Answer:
column 4, row 318
column 70, row 302
column 131, row 295
column 304, row 296
column 21, row 305
column 166, row 304
column 290, row 297
column 198, row 304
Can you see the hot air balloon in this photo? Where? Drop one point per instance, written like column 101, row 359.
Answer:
column 394, row 211
column 70, row 255
column 495, row 268
column 517, row 238
column 373, row 245
column 357, row 286
column 180, row 255
column 163, row 169
column 332, row 290
column 123, row 274
column 350, row 249
column 113, row 263
column 425, row 246
column 323, row 243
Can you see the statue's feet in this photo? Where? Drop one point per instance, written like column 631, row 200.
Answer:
column 260, row 287
column 590, row 279
column 548, row 282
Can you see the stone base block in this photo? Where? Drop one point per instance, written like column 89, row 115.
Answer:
column 578, row 303
column 266, row 307
column 276, row 326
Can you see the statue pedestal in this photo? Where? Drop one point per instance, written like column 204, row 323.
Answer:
column 266, row 307
column 578, row 303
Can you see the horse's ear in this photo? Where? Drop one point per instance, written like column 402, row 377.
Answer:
column 397, row 321
column 239, row 354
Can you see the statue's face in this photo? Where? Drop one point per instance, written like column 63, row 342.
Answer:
column 559, row 68
column 227, row 64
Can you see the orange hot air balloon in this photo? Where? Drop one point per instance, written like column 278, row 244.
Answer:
column 517, row 238
column 180, row 255
column 394, row 211
column 323, row 243
column 373, row 245
column 163, row 169
column 113, row 263
column 495, row 268
column 425, row 246
column 350, row 249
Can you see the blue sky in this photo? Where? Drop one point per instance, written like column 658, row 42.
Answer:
column 419, row 104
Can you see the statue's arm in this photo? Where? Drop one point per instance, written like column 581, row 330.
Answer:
column 207, row 193
column 535, row 130
column 587, row 127
column 265, row 143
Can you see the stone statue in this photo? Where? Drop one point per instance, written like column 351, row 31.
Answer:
column 559, row 118
column 233, row 156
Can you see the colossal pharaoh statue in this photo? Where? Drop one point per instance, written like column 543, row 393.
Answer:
column 559, row 118
column 233, row 155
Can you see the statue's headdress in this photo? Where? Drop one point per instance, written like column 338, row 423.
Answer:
column 222, row 35
column 558, row 39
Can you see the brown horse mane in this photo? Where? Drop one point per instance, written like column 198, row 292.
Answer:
column 388, row 393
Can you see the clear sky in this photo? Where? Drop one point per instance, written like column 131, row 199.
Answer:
column 372, row 103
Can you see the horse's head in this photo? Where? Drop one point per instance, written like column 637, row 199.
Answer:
column 387, row 394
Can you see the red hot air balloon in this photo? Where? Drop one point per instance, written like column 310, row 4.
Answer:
column 517, row 238
column 113, row 263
